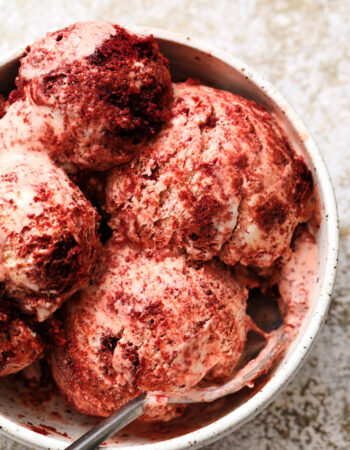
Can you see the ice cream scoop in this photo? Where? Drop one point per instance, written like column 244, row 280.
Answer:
column 89, row 94
column 219, row 179
column 150, row 322
column 48, row 234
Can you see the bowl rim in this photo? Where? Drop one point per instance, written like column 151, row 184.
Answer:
column 250, row 408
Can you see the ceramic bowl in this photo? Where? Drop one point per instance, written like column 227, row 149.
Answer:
column 44, row 421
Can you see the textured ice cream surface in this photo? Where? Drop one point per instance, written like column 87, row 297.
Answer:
column 48, row 235
column 297, row 281
column 20, row 345
column 90, row 93
column 150, row 322
column 219, row 179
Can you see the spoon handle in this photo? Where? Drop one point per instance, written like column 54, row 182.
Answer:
column 115, row 422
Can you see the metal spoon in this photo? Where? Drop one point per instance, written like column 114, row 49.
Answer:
column 135, row 408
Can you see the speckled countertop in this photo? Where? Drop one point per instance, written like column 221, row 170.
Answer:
column 302, row 46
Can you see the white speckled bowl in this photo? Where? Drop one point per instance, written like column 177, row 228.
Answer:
column 188, row 58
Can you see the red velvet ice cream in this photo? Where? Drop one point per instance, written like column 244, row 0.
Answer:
column 219, row 179
column 150, row 322
column 90, row 93
column 48, row 232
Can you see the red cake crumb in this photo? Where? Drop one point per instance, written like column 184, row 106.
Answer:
column 3, row 106
column 19, row 344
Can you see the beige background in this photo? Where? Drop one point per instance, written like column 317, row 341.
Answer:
column 303, row 47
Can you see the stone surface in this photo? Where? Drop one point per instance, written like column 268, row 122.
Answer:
column 302, row 46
